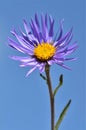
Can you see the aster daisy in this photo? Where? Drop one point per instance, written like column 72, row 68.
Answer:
column 41, row 46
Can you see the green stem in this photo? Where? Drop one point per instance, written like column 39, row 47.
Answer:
column 47, row 71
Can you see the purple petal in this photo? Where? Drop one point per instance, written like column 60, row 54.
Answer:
column 15, row 45
column 36, row 20
column 66, row 67
column 64, row 51
column 26, row 27
column 44, row 29
column 50, row 62
column 55, row 43
column 70, row 59
column 28, row 40
column 23, row 59
column 62, row 41
column 41, row 67
column 22, row 33
column 51, row 31
column 35, row 30
column 58, row 61
column 33, row 63
column 46, row 20
column 29, row 72
column 31, row 39
column 22, row 41
column 67, row 41
column 70, row 50
column 59, row 32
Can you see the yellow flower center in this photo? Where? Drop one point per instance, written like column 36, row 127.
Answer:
column 44, row 51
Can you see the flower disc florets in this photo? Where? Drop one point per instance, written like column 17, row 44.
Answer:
column 44, row 51
column 41, row 45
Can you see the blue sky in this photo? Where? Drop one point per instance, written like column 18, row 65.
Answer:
column 24, row 102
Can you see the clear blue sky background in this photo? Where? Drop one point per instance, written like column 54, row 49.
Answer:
column 24, row 102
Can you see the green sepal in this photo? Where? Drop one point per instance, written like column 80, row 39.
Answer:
column 62, row 115
column 59, row 85
column 43, row 77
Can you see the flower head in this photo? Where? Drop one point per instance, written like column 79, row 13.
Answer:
column 41, row 45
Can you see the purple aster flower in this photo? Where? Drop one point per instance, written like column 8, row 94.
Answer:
column 41, row 45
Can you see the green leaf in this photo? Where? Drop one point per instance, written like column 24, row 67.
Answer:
column 59, row 85
column 43, row 77
column 62, row 115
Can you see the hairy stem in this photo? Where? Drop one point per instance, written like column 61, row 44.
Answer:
column 48, row 79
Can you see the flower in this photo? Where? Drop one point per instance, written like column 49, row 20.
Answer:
column 41, row 45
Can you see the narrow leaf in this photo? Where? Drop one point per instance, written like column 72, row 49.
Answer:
column 43, row 77
column 59, row 85
column 62, row 115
